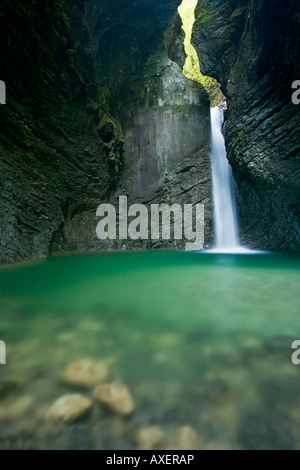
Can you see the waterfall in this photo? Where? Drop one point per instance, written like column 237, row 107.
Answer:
column 225, row 215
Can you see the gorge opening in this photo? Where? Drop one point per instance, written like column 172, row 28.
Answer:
column 226, row 237
column 191, row 67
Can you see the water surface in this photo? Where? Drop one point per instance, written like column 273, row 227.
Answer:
column 201, row 340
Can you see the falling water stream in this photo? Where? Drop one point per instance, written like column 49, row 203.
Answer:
column 226, row 225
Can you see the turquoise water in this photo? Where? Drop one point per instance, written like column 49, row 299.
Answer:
column 201, row 340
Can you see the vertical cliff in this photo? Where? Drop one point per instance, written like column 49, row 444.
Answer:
column 52, row 161
column 252, row 49
column 97, row 105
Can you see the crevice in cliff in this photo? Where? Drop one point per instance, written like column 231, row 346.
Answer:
column 191, row 68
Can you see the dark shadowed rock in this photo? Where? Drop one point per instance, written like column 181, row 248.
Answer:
column 17, row 441
column 97, row 105
column 74, row 437
column 252, row 48
column 8, row 388
column 266, row 429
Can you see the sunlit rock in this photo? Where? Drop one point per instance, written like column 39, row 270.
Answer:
column 116, row 397
column 186, row 438
column 68, row 409
column 150, row 437
column 86, row 373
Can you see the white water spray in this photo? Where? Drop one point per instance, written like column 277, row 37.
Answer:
column 225, row 214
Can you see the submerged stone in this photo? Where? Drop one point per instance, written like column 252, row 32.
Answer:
column 186, row 438
column 68, row 409
column 217, row 391
column 150, row 437
column 74, row 437
column 85, row 373
column 18, row 441
column 281, row 343
column 116, row 397
column 266, row 429
column 8, row 388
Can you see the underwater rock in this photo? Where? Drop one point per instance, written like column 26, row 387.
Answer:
column 281, row 344
column 85, row 373
column 225, row 356
column 266, row 429
column 111, row 432
column 179, row 416
column 68, row 409
column 8, row 388
column 21, row 441
column 150, row 437
column 217, row 391
column 16, row 409
column 20, row 407
column 74, row 437
column 186, row 438
column 116, row 397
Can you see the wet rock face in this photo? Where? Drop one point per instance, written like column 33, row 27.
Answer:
column 252, row 48
column 52, row 161
column 188, row 183
column 164, row 118
column 78, row 77
column 162, row 127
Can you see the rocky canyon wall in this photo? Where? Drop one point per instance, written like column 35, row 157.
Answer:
column 252, row 49
column 97, row 106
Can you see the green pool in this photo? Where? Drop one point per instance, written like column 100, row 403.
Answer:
column 202, row 341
